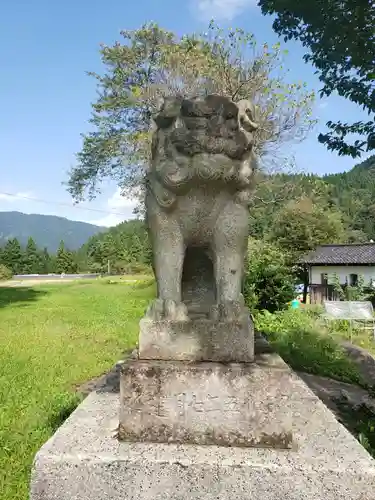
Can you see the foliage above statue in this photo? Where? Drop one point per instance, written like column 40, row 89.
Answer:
column 339, row 36
column 151, row 64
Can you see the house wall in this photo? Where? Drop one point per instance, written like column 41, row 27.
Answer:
column 343, row 272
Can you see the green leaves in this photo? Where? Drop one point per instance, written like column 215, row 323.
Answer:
column 124, row 245
column 150, row 63
column 5, row 273
column 269, row 280
column 65, row 262
column 11, row 256
column 303, row 224
column 301, row 342
column 31, row 259
column 339, row 36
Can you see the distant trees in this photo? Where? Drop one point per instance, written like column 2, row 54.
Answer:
column 5, row 273
column 303, row 211
column 12, row 256
column 65, row 262
column 123, row 249
column 47, row 263
column 33, row 260
column 353, row 192
column 302, row 225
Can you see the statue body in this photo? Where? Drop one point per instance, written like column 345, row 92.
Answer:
column 198, row 190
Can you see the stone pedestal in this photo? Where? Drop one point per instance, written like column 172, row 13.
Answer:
column 199, row 340
column 208, row 403
column 85, row 460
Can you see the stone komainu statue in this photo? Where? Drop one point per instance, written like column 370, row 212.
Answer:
column 198, row 189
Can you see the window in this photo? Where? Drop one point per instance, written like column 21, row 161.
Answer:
column 353, row 279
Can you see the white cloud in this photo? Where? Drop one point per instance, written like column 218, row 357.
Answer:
column 121, row 207
column 108, row 220
column 118, row 202
column 221, row 9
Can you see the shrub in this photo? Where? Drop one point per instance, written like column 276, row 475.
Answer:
column 138, row 268
column 315, row 311
column 269, row 280
column 295, row 336
column 5, row 273
column 95, row 267
column 121, row 267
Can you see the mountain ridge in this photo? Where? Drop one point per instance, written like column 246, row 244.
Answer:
column 352, row 192
column 46, row 230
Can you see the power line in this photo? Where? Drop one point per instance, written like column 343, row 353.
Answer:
column 13, row 195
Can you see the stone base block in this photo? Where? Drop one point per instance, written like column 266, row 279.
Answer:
column 209, row 403
column 198, row 340
column 84, row 460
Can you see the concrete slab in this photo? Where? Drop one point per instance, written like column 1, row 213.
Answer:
column 198, row 340
column 84, row 460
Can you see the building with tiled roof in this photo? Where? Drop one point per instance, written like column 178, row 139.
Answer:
column 347, row 262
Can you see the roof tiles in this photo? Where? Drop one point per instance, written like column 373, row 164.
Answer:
column 362, row 253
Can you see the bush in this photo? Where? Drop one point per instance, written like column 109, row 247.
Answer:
column 95, row 267
column 5, row 273
column 314, row 311
column 121, row 267
column 269, row 280
column 138, row 268
column 296, row 338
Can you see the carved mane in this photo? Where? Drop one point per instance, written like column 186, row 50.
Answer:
column 201, row 140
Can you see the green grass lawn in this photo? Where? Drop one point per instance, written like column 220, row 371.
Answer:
column 53, row 337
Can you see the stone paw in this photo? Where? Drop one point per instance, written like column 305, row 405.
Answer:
column 167, row 309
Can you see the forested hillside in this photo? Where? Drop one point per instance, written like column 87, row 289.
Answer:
column 46, row 230
column 296, row 212
column 354, row 193
column 341, row 205
column 293, row 212
column 123, row 248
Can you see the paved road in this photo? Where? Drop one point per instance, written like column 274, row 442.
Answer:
column 34, row 279
column 24, row 277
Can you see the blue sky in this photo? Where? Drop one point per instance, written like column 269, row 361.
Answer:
column 45, row 94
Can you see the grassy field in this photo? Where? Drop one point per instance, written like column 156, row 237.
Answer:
column 52, row 338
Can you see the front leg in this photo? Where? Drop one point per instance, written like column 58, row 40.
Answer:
column 168, row 254
column 228, row 274
column 229, row 248
column 168, row 261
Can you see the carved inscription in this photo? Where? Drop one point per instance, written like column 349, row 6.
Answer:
column 185, row 404
column 211, row 404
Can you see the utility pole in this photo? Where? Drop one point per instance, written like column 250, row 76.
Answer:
column 109, row 267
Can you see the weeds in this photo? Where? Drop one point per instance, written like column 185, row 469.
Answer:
column 295, row 336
